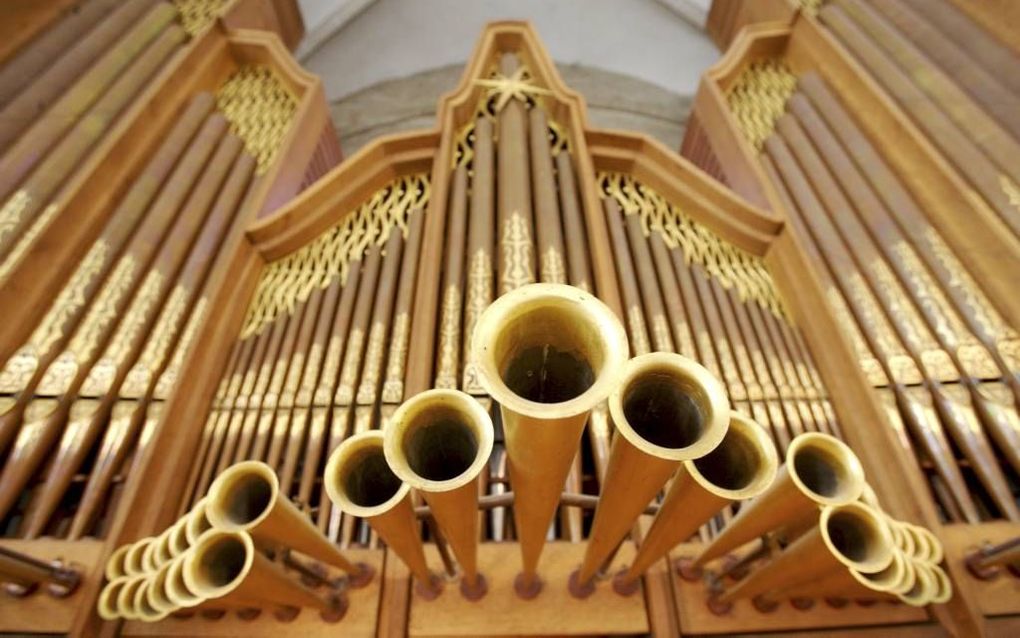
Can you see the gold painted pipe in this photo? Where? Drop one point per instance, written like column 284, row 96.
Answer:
column 224, row 568
column 246, row 498
column 360, row 483
column 548, row 353
column 438, row 442
column 852, row 535
column 742, row 466
column 124, row 605
column 667, row 409
column 819, row 470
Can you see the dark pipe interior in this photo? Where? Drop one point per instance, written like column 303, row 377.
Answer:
column 222, row 563
column 850, row 535
column 370, row 481
column 663, row 411
column 546, row 374
column 733, row 464
column 249, row 497
column 818, row 470
column 441, row 448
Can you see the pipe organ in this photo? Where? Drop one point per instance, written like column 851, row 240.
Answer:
column 513, row 374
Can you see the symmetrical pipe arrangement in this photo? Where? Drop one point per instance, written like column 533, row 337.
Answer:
column 220, row 556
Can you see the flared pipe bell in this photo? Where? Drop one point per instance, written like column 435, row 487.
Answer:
column 196, row 522
column 115, row 563
column 246, row 498
column 175, row 588
column 438, row 442
column 144, row 609
column 548, row 354
column 667, row 408
column 360, row 483
column 224, row 567
column 819, row 470
column 852, row 535
column 895, row 579
column 106, row 604
column 742, row 466
column 134, row 559
column 925, row 586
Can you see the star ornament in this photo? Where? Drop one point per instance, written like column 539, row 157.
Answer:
column 516, row 86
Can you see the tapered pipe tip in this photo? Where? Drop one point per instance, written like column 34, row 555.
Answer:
column 688, row 570
column 526, row 586
column 430, row 590
column 578, row 589
column 626, row 585
column 338, row 606
column 474, row 592
column 362, row 577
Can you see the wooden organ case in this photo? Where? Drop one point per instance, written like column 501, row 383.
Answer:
column 191, row 282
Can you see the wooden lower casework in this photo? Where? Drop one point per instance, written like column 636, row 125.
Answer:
column 513, row 374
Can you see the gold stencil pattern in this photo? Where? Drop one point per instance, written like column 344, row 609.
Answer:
column 731, row 266
column 758, row 98
column 196, row 14
column 157, row 345
column 290, row 280
column 26, row 240
column 260, row 109
column 449, row 339
column 393, row 389
column 516, row 245
column 872, row 368
column 552, row 269
column 168, row 379
column 374, row 353
column 352, row 363
column 478, row 298
column 12, row 211
column 638, row 331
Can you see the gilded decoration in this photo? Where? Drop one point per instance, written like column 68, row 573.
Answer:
column 260, row 109
column 758, row 98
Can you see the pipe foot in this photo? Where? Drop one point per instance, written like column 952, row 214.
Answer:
column 287, row 613
column 527, row 587
column 801, row 603
column 687, row 570
column 764, row 605
column 718, row 607
column 337, row 610
column 249, row 614
column 477, row 592
column 213, row 614
column 580, row 590
column 362, row 577
column 837, row 603
column 624, row 588
column 734, row 568
column 430, row 590
column 866, row 603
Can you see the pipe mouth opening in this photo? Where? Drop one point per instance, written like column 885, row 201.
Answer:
column 665, row 408
column 548, row 350
column 889, row 578
column 246, row 497
column 439, row 444
column 735, row 464
column 220, row 563
column 858, row 538
column 197, row 523
column 826, row 468
column 176, row 587
column 134, row 562
column 107, row 603
column 367, row 479
column 142, row 605
column 127, row 596
column 157, row 596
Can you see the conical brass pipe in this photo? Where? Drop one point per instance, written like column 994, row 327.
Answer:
column 246, row 498
column 225, row 567
column 852, row 535
column 115, row 563
column 360, row 483
column 106, row 604
column 124, row 605
column 548, row 353
column 943, row 586
column 142, row 605
column 667, row 408
column 438, row 442
column 895, row 579
column 158, row 598
column 925, row 586
column 134, row 563
column 174, row 586
column 197, row 523
column 742, row 466
column 819, row 470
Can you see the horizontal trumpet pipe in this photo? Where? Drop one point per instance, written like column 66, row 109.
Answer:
column 851, row 535
column 548, row 353
column 667, row 409
column 438, row 442
column 360, row 483
column 819, row 470
column 246, row 497
column 742, row 466
column 225, row 567
column 897, row 578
